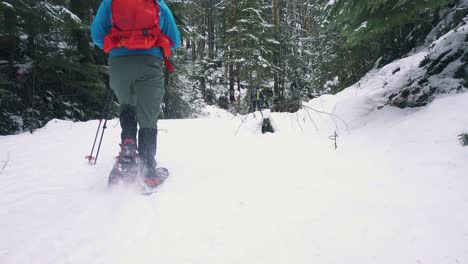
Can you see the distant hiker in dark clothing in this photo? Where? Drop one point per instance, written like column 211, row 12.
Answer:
column 255, row 98
column 264, row 101
column 138, row 35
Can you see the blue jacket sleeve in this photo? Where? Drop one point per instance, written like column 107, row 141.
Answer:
column 102, row 23
column 168, row 25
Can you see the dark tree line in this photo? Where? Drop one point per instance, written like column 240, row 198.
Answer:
column 48, row 70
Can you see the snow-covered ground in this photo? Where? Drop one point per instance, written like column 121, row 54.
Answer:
column 393, row 192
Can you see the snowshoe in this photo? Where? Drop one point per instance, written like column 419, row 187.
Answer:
column 126, row 167
column 152, row 178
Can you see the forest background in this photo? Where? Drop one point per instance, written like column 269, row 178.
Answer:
column 292, row 50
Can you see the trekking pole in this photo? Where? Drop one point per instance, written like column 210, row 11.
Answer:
column 93, row 159
column 100, row 141
column 90, row 157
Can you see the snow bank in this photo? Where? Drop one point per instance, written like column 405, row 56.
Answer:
column 215, row 112
column 393, row 192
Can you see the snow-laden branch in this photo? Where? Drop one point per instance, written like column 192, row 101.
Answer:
column 5, row 163
column 256, row 12
column 58, row 12
column 7, row 5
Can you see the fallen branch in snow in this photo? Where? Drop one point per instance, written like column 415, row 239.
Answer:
column 310, row 118
column 463, row 139
column 243, row 121
column 298, row 122
column 5, row 163
column 237, row 115
column 334, row 137
column 332, row 116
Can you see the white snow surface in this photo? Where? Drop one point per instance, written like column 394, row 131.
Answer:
column 393, row 192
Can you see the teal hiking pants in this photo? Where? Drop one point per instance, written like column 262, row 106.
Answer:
column 138, row 82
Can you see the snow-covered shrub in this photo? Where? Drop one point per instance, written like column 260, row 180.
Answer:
column 463, row 139
column 9, row 113
column 267, row 126
column 223, row 102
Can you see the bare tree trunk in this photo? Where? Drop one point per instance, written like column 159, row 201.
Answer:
column 202, row 41
column 238, row 70
column 10, row 26
column 194, row 51
column 211, row 30
column 276, row 53
column 232, row 97
column 230, row 10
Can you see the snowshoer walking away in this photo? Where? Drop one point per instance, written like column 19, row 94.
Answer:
column 255, row 97
column 264, row 101
column 138, row 35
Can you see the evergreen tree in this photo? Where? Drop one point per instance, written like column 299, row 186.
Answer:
column 363, row 21
column 46, row 74
column 374, row 30
column 249, row 40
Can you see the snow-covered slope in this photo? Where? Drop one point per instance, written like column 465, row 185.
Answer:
column 393, row 192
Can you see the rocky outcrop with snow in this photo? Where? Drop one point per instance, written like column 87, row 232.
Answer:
column 444, row 68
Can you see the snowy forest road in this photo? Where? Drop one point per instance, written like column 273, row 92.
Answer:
column 287, row 197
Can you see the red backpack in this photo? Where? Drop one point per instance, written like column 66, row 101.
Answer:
column 135, row 25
